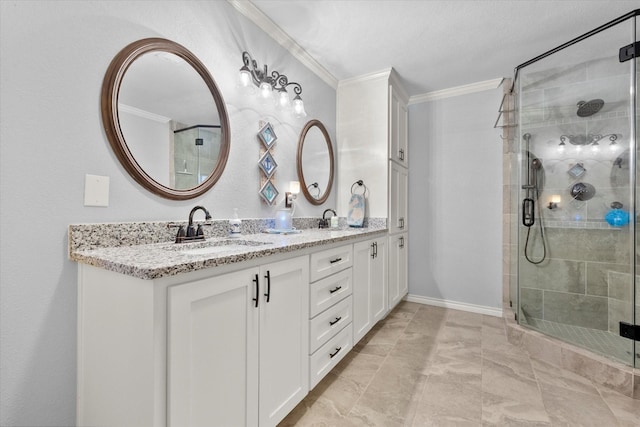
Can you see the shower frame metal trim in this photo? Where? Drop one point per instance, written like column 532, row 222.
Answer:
column 572, row 42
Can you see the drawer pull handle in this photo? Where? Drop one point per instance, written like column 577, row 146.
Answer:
column 401, row 154
column 256, row 299
column 336, row 289
column 335, row 321
column 333, row 261
column 268, row 277
column 331, row 355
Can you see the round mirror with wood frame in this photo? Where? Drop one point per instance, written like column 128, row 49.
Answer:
column 314, row 148
column 123, row 143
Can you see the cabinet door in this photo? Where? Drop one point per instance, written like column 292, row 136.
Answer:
column 362, row 312
column 398, row 139
column 213, row 351
column 369, row 285
column 398, row 197
column 378, row 278
column 284, row 338
column 398, row 284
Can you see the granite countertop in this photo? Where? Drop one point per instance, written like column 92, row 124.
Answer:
column 156, row 260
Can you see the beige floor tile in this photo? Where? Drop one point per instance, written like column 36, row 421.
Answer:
column 391, row 391
column 450, row 398
column 570, row 407
column 626, row 409
column 553, row 375
column 429, row 366
column 510, row 394
column 359, row 368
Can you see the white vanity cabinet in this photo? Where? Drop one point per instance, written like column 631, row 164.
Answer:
column 398, row 268
column 213, row 351
column 369, row 285
column 399, row 197
column 238, row 344
column 330, row 302
column 371, row 131
column 372, row 141
column 199, row 349
column 284, row 338
column 398, row 129
column 217, row 329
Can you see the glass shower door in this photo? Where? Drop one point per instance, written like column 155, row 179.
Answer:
column 577, row 198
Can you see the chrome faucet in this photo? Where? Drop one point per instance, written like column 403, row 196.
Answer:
column 192, row 233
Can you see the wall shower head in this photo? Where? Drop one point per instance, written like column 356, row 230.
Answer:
column 589, row 108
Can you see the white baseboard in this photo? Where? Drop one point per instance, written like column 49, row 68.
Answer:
column 463, row 306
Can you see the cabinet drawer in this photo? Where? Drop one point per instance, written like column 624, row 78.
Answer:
column 325, row 325
column 330, row 261
column 328, row 356
column 326, row 292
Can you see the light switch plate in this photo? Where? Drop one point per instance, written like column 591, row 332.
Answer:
column 96, row 190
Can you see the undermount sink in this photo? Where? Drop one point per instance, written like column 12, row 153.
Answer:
column 215, row 246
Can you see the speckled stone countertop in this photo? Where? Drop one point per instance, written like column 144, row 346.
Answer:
column 153, row 260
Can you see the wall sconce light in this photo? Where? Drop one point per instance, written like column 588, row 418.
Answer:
column 268, row 84
column 292, row 194
column 553, row 204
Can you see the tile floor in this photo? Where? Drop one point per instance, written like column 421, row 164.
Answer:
column 429, row 366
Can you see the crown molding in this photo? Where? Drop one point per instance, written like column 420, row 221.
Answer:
column 255, row 15
column 142, row 113
column 456, row 91
column 383, row 74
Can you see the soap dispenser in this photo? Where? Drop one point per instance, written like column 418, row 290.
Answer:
column 616, row 217
column 234, row 224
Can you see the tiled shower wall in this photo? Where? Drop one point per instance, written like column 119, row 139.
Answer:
column 586, row 278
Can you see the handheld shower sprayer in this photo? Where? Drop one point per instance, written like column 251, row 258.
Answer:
column 534, row 167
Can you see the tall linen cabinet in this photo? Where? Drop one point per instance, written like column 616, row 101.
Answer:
column 372, row 141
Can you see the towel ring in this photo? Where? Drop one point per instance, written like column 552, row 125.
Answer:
column 360, row 183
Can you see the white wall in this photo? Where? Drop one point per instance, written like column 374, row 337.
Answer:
column 455, row 200
column 54, row 56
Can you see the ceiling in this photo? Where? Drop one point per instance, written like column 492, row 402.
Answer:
column 436, row 45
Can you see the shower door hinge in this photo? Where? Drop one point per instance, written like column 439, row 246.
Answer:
column 628, row 330
column 628, row 52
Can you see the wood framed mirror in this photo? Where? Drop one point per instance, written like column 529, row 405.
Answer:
column 165, row 118
column 315, row 162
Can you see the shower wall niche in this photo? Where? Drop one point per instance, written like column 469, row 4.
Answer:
column 576, row 262
column 195, row 155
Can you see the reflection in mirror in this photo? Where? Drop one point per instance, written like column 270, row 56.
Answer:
column 315, row 162
column 165, row 118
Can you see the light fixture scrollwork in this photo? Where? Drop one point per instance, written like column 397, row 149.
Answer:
column 267, row 83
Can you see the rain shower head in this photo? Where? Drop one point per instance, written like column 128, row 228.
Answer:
column 589, row 108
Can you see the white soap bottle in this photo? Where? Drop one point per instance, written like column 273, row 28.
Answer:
column 234, row 224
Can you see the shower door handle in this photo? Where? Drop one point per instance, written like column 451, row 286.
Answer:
column 528, row 212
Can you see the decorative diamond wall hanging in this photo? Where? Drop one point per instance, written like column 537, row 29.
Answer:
column 267, row 164
column 269, row 192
